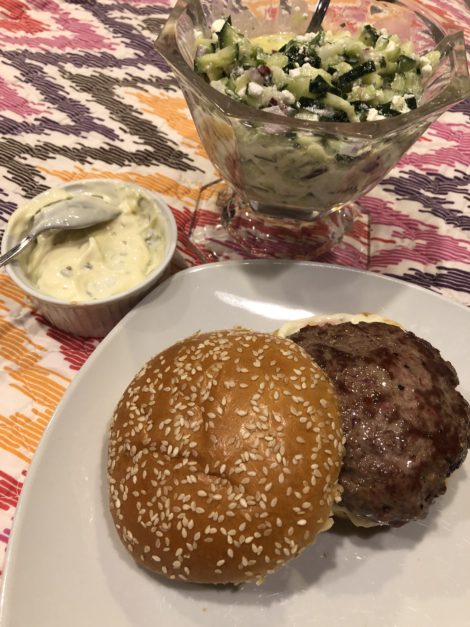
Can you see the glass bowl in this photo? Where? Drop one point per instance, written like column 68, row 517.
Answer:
column 293, row 182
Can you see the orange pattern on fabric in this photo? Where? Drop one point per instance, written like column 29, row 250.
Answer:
column 13, row 292
column 19, row 433
column 174, row 111
column 156, row 182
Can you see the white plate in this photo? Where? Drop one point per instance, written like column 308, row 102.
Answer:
column 65, row 566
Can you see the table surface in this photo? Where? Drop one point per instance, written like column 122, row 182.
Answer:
column 84, row 95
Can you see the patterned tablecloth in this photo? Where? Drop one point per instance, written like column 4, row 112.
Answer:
column 83, row 95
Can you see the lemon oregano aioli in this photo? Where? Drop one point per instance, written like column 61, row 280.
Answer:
column 97, row 262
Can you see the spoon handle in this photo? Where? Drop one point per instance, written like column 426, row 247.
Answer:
column 318, row 15
column 8, row 256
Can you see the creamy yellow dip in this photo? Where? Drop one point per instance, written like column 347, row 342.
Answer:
column 97, row 262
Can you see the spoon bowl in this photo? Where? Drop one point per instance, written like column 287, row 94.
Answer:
column 68, row 214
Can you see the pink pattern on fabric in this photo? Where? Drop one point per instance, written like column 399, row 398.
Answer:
column 457, row 133
column 10, row 489
column 65, row 32
column 11, row 100
column 440, row 157
column 4, row 537
column 412, row 240
column 75, row 350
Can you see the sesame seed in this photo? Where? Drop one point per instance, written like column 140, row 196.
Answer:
column 173, row 462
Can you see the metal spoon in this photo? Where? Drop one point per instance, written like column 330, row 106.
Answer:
column 318, row 16
column 72, row 213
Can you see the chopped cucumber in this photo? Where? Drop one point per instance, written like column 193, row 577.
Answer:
column 381, row 43
column 354, row 51
column 279, row 77
column 405, row 63
column 413, row 84
column 228, row 36
column 277, row 60
column 320, row 86
column 357, row 72
column 373, row 79
column 321, row 76
column 342, row 105
column 247, row 53
column 388, row 69
column 241, row 82
column 369, row 35
column 299, row 86
column 205, row 43
column 411, row 102
column 217, row 61
column 387, row 110
column 399, row 84
column 341, row 68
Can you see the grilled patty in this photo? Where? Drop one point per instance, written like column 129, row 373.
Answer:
column 406, row 426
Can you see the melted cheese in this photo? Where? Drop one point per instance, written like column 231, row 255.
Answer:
column 289, row 328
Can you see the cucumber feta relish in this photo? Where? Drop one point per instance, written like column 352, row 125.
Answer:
column 321, row 76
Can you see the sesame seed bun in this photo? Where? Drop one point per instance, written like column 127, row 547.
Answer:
column 224, row 455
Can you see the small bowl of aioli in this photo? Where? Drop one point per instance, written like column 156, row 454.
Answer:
column 85, row 281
